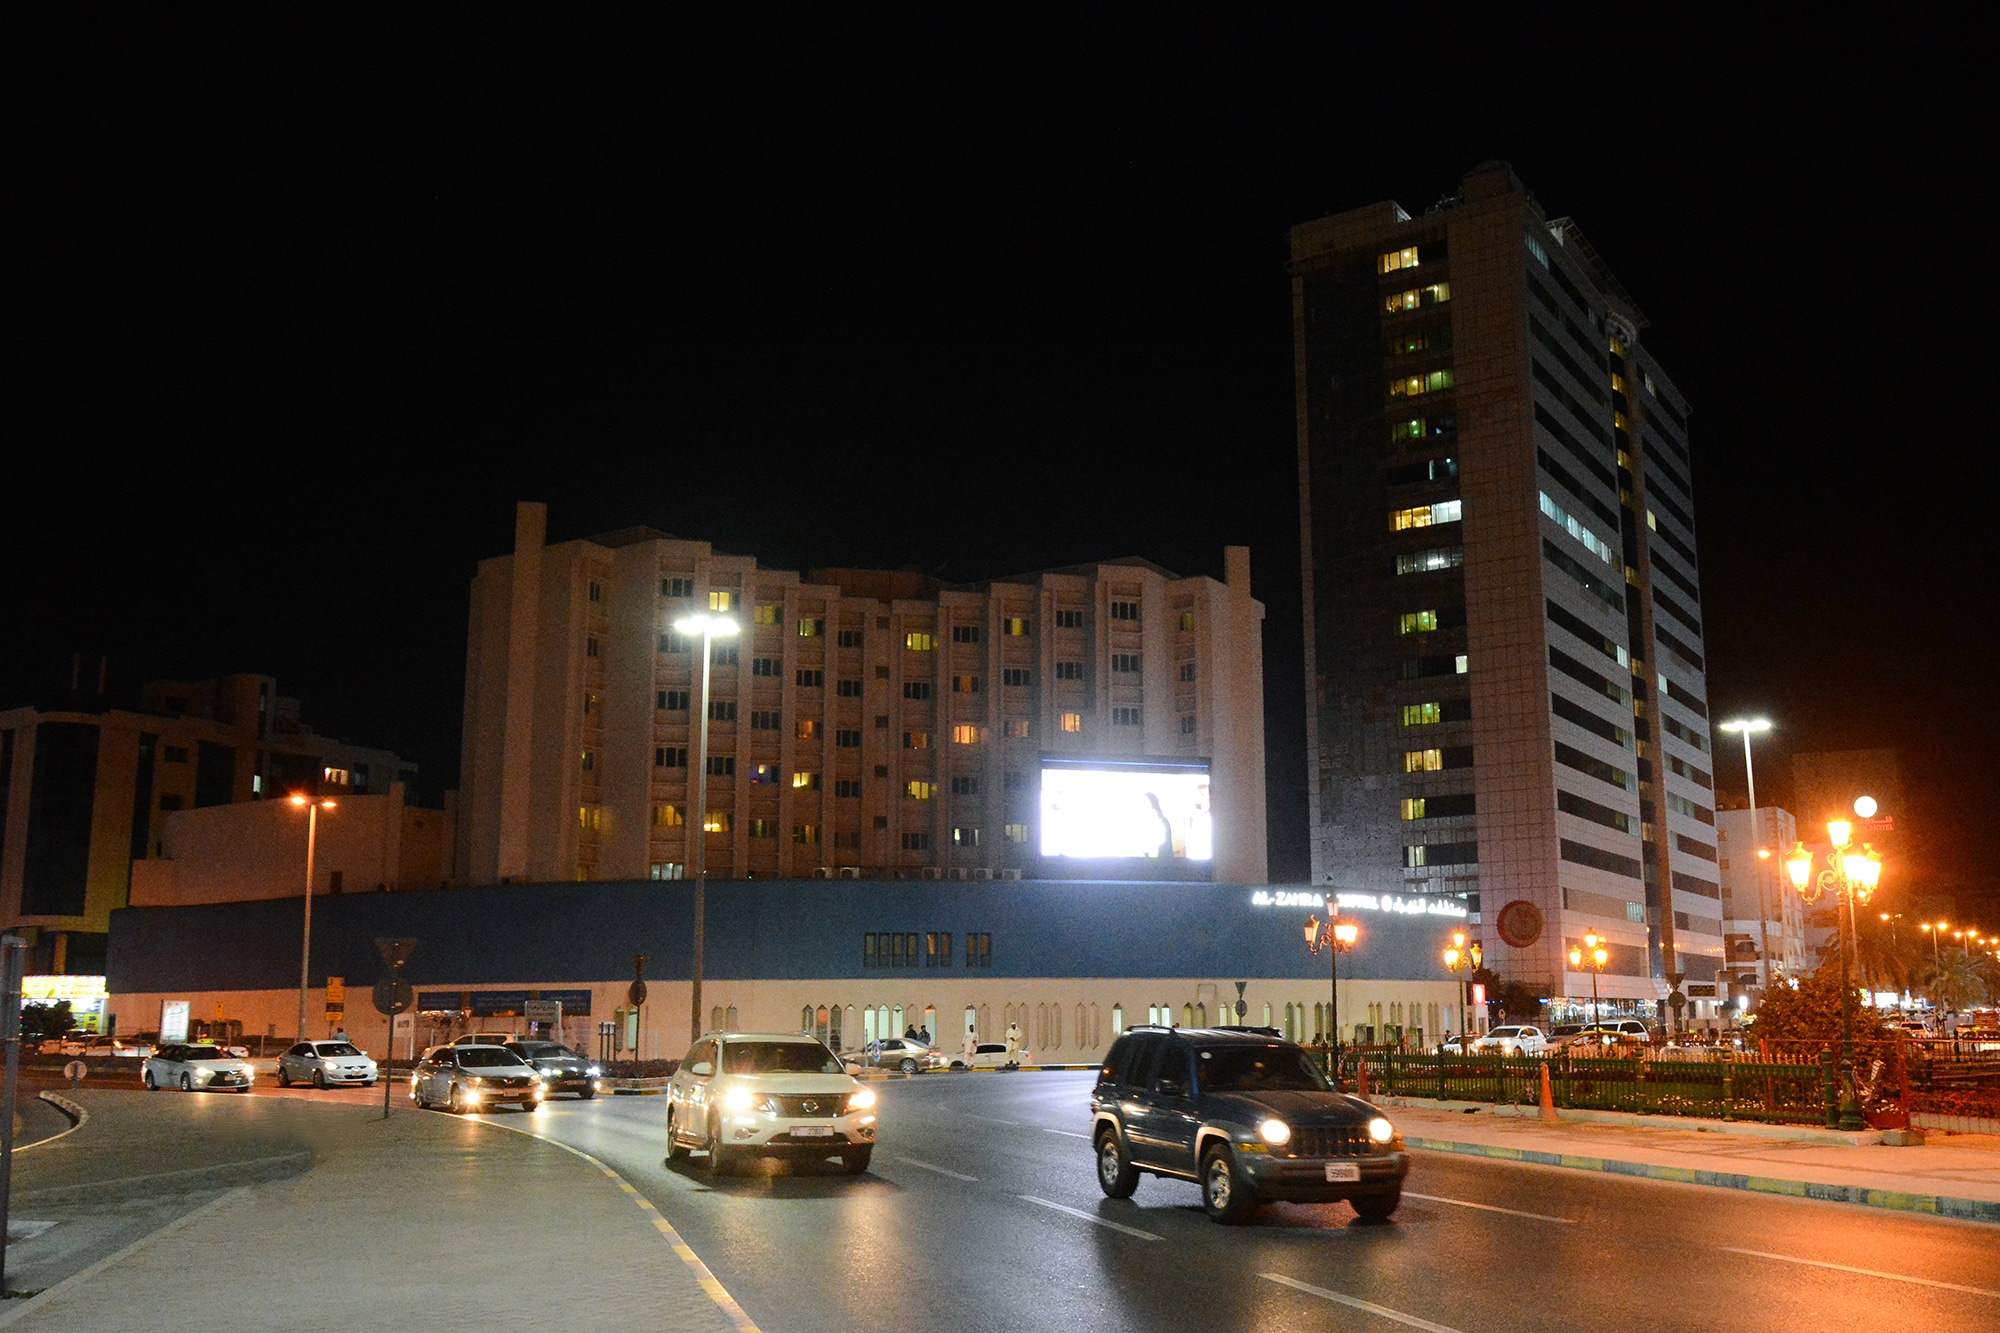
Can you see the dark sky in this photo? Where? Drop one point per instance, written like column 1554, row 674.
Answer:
column 297, row 313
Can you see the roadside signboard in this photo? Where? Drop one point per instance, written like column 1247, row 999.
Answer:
column 336, row 992
column 173, row 1021
column 542, row 1011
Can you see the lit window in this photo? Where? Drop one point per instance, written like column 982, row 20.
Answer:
column 669, row 870
column 588, row 762
column 1187, row 620
column 965, row 734
column 719, row 601
column 1018, row 729
column 1015, row 627
column 668, row 816
column 965, row 684
column 338, row 776
column 811, row 629
column 1427, row 562
column 1591, row 542
column 1617, row 382
column 918, row 791
column 808, row 729
column 1423, row 761
column 1416, row 297
column 1425, row 516
column 1411, row 386
column 1395, row 259
column 1071, row 722
column 718, row 821
column 1017, row 833
column 1124, row 717
column 1413, row 808
column 806, row 835
column 805, row 781
column 590, row 818
column 1459, row 663
column 1422, row 715
column 767, row 614
column 916, row 641
column 1416, row 622
column 965, row 837
column 916, row 740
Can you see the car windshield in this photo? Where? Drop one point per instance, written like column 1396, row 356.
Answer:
column 779, row 1057
column 204, row 1053
column 535, row 1050
column 337, row 1048
column 1259, row 1069
column 487, row 1057
column 1505, row 1032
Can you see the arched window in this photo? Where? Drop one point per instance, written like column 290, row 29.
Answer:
column 1083, row 1041
column 971, row 1020
column 1007, row 1015
column 849, row 1025
column 930, row 1021
column 1187, row 1016
column 897, row 1029
column 1267, row 1015
column 882, row 1028
column 821, row 1023
column 1117, row 1021
column 1200, row 1015
column 985, row 1023
column 715, row 1019
column 868, row 1030
column 806, row 1019
column 833, row 1030
column 1096, row 1030
column 1291, row 1034
column 729, row 1019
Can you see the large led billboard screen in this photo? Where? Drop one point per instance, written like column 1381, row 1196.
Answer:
column 1108, row 811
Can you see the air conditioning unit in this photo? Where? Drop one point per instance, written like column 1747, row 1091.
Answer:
column 850, row 872
column 931, row 872
column 982, row 873
column 1010, row 874
column 823, row 872
column 958, row 872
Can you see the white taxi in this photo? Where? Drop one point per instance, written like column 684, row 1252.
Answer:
column 781, row 1094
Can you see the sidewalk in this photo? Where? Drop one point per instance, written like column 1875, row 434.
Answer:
column 1952, row 1175
column 426, row 1220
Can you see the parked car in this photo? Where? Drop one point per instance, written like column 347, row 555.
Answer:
column 326, row 1064
column 1453, row 1045
column 899, row 1053
column 1515, row 1039
column 1600, row 1044
column 485, row 1039
column 985, row 1055
column 1248, row 1118
column 562, row 1069
column 750, row 1094
column 471, row 1078
column 196, row 1067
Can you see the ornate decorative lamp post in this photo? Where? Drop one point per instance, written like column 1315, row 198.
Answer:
column 1336, row 937
column 1851, row 876
column 1463, row 959
column 1594, row 953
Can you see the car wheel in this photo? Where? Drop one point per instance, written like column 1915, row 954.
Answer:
column 1116, row 1175
column 720, row 1160
column 908, row 1066
column 1378, row 1207
column 147, row 1079
column 856, row 1160
column 368, row 1083
column 533, row 1104
column 676, row 1150
column 1225, row 1196
column 587, row 1091
column 319, row 1079
column 452, row 1102
column 958, row 1066
column 284, row 1079
column 187, row 1083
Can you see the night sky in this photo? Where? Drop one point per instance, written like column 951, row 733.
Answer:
column 297, row 313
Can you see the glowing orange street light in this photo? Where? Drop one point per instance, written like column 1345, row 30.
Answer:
column 1593, row 950
column 1336, row 937
column 312, row 806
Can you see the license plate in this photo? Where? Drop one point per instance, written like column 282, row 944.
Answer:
column 1348, row 1171
column 812, row 1131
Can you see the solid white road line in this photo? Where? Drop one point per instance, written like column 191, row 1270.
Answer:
column 928, row 1166
column 1354, row 1303
column 1489, row 1208
column 1066, row 1133
column 1092, row 1217
column 1865, row 1272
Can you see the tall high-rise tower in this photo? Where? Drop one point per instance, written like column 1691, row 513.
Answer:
column 1504, row 649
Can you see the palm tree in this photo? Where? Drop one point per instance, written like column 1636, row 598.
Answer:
column 1883, row 958
column 1953, row 981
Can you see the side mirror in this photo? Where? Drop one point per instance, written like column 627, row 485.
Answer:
column 701, row 1069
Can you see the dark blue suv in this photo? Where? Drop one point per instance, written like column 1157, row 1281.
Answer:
column 1248, row 1117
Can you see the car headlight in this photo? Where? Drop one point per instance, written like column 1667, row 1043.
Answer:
column 1275, row 1132
column 593, row 1071
column 478, row 1081
column 860, row 1099
column 1380, row 1130
column 738, row 1099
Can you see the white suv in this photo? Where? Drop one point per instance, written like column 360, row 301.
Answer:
column 754, row 1094
column 1516, row 1040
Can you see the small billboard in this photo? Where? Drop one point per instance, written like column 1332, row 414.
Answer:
column 1110, row 810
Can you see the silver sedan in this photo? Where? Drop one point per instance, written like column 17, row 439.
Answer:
column 325, row 1064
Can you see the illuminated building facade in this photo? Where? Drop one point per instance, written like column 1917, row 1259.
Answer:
column 1505, row 672
column 862, row 722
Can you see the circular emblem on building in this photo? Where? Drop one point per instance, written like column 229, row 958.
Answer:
column 1520, row 923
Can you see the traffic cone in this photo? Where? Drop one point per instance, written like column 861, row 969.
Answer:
column 1549, row 1115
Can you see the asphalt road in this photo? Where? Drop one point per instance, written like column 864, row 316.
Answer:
column 981, row 1212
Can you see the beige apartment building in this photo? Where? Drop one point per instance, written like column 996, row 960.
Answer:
column 862, row 722
column 87, row 787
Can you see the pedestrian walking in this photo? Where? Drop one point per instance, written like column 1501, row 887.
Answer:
column 970, row 1046
column 1013, row 1043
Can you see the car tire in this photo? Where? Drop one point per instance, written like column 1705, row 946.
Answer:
column 1225, row 1195
column 284, row 1079
column 855, row 1160
column 1378, row 1207
column 187, row 1082
column 452, row 1102
column 958, row 1066
column 586, row 1092
column 319, row 1079
column 532, row 1105
column 676, row 1150
column 720, row 1160
column 908, row 1066
column 368, row 1083
column 1116, row 1175
column 147, row 1079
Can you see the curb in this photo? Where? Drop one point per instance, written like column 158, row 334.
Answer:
column 1694, row 1124
column 78, row 1118
column 1970, row 1210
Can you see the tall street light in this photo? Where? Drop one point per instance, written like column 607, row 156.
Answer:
column 1850, row 875
column 1463, row 960
column 1934, row 931
column 1336, row 937
column 312, row 808
column 1756, row 726
column 710, row 628
column 1594, row 953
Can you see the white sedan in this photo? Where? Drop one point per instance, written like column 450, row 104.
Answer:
column 197, row 1068
column 1521, row 1039
column 325, row 1064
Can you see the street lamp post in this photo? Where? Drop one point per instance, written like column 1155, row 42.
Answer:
column 1463, row 959
column 1851, row 876
column 710, row 628
column 1336, row 937
column 312, row 808
column 1749, row 727
column 1594, row 953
